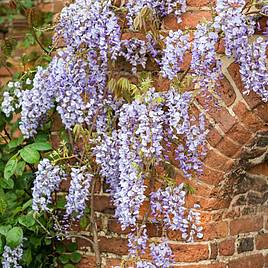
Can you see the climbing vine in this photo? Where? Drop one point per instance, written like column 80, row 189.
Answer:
column 118, row 126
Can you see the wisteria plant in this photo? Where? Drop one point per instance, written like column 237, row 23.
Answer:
column 118, row 126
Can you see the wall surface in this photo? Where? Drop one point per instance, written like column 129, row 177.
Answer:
column 233, row 191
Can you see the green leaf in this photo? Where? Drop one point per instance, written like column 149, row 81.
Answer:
column 27, row 204
column 7, row 184
column 68, row 266
column 83, row 222
column 61, row 202
column 27, row 3
column 72, row 247
column 76, row 257
column 1, row 245
column 20, row 168
column 10, row 168
column 41, row 146
column 29, row 155
column 15, row 143
column 27, row 220
column 64, row 259
column 60, row 249
column 3, row 204
column 14, row 237
column 4, row 229
column 27, row 256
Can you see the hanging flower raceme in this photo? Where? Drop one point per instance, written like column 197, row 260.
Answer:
column 47, row 181
column 177, row 44
column 78, row 193
column 160, row 8
column 11, row 257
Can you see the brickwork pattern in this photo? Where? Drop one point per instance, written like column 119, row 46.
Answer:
column 233, row 190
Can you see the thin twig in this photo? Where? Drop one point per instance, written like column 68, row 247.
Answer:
column 94, row 228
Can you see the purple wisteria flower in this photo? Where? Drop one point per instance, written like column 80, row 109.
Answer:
column 48, row 180
column 11, row 257
column 177, row 44
column 135, row 52
column 78, row 193
column 161, row 254
column 35, row 103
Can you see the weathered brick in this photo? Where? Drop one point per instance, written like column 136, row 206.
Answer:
column 212, row 265
column 226, row 92
column 190, row 19
column 227, row 247
column 239, row 134
column 216, row 160
column 246, row 225
column 252, row 98
column 190, row 253
column 200, row 3
column 245, row 244
column 262, row 241
column 113, row 245
column 256, row 261
column 227, row 147
column 103, row 204
column 214, row 137
column 262, row 111
column 87, row 262
column 211, row 176
column 215, row 230
column 213, row 251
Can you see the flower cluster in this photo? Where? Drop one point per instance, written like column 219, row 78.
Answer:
column 253, row 67
column 160, row 8
column 135, row 52
column 93, row 24
column 177, row 44
column 35, row 103
column 205, row 65
column 137, row 243
column 47, row 181
column 169, row 205
column 11, row 257
column 234, row 24
column 7, row 104
column 161, row 254
column 78, row 192
column 180, row 124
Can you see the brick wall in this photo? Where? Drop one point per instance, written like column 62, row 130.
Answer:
column 233, row 190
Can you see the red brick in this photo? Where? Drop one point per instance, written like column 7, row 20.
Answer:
column 216, row 160
column 220, row 114
column 211, row 176
column 246, row 225
column 248, row 118
column 103, row 204
column 190, row 253
column 262, row 111
column 113, row 262
column 214, row 137
column 256, row 261
column 215, row 230
column 200, row 3
column 226, row 92
column 227, row 147
column 252, row 99
column 87, row 262
column 213, row 251
column 239, row 134
column 214, row 265
column 190, row 19
column 262, row 241
column 227, row 247
column 114, row 245
column 240, row 109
